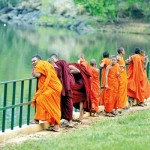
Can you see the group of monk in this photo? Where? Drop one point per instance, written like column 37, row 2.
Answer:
column 63, row 86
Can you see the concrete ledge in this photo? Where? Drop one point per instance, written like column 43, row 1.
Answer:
column 32, row 128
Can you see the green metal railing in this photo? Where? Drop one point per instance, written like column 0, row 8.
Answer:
column 21, row 103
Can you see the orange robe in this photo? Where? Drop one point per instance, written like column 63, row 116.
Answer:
column 123, row 85
column 95, row 85
column 48, row 94
column 95, row 88
column 112, row 93
column 107, row 62
column 102, row 96
column 146, row 83
column 135, row 78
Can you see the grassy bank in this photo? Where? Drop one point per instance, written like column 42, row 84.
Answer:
column 126, row 132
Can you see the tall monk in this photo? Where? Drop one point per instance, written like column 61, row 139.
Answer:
column 95, row 86
column 103, row 64
column 47, row 97
column 146, row 85
column 123, row 80
column 112, row 87
column 67, row 80
column 136, row 78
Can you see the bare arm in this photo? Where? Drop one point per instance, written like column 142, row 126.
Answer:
column 102, row 64
column 106, row 76
column 73, row 69
column 128, row 60
column 146, row 61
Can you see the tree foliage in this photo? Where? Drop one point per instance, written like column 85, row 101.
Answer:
column 114, row 9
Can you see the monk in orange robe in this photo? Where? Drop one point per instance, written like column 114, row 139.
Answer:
column 136, row 78
column 112, row 87
column 95, row 86
column 47, row 97
column 103, row 64
column 123, row 80
column 146, row 85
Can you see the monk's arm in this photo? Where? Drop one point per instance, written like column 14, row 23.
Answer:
column 73, row 69
column 102, row 64
column 106, row 76
column 127, row 61
column 146, row 62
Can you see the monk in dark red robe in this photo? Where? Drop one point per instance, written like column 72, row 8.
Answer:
column 81, row 88
column 67, row 80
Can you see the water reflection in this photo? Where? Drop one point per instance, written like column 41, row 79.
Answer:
column 18, row 45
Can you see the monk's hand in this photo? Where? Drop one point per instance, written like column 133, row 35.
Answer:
column 33, row 100
column 106, row 86
column 146, row 59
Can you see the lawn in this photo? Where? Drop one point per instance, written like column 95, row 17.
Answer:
column 128, row 132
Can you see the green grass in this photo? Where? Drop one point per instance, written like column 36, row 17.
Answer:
column 130, row 132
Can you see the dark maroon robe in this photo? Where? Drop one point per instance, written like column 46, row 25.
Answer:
column 67, row 80
column 81, row 88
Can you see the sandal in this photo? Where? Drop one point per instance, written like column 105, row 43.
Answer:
column 110, row 115
column 53, row 129
column 141, row 104
column 34, row 122
column 77, row 120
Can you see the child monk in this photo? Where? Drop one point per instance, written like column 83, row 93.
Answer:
column 112, row 87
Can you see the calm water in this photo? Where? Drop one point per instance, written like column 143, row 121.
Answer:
column 18, row 45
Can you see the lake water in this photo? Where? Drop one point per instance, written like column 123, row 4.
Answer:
column 19, row 44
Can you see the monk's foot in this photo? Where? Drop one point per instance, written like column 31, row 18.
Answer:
column 126, row 108
column 77, row 120
column 92, row 110
column 141, row 104
column 54, row 129
column 110, row 115
column 34, row 122
column 115, row 112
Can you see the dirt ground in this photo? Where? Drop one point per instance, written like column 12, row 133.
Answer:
column 87, row 122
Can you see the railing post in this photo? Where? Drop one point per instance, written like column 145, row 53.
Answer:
column 13, row 103
column 100, row 76
column 21, row 101
column 29, row 99
column 4, row 105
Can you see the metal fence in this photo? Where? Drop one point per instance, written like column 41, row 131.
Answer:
column 16, row 94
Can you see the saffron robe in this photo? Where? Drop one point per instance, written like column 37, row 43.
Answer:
column 107, row 62
column 112, row 93
column 95, row 88
column 48, row 94
column 146, row 86
column 135, row 78
column 94, row 83
column 67, row 80
column 122, row 84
